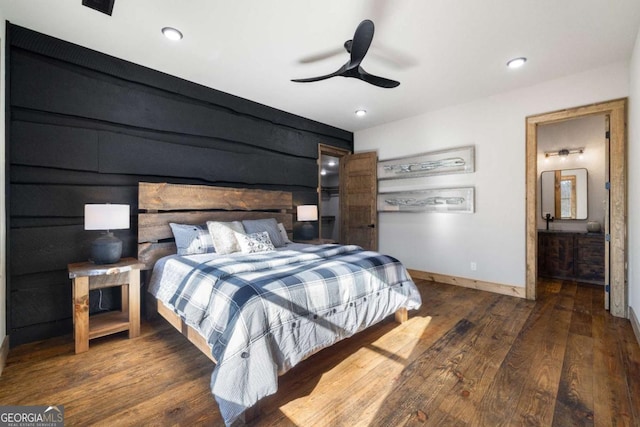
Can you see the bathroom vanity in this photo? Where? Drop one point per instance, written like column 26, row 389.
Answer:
column 568, row 255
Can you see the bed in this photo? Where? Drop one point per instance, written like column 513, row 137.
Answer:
column 257, row 309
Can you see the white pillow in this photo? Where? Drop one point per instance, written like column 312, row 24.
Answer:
column 255, row 242
column 283, row 233
column 223, row 236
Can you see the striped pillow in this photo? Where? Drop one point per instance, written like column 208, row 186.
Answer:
column 192, row 239
column 283, row 233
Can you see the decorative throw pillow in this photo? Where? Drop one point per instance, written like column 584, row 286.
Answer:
column 223, row 236
column 192, row 239
column 283, row 233
column 255, row 242
column 269, row 225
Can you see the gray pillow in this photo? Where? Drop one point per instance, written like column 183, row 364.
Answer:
column 192, row 239
column 269, row 225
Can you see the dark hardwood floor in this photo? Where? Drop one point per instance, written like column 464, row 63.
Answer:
column 466, row 358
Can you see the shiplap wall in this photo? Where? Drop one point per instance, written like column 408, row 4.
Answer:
column 84, row 127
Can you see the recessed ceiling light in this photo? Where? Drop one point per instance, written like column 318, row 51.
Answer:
column 171, row 33
column 361, row 113
column 516, row 62
column 323, row 172
column 331, row 163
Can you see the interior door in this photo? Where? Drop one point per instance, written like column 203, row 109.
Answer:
column 358, row 191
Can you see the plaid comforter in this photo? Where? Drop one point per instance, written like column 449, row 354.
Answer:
column 263, row 313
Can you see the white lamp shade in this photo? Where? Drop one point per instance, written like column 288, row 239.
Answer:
column 106, row 217
column 307, row 213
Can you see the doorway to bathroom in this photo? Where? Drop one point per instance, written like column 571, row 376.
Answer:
column 614, row 219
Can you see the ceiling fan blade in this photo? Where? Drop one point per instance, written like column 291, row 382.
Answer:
column 376, row 80
column 314, row 79
column 321, row 55
column 317, row 79
column 361, row 42
column 392, row 57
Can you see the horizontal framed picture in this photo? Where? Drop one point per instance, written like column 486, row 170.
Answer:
column 450, row 161
column 450, row 200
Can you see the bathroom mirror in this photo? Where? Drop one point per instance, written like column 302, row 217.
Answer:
column 564, row 193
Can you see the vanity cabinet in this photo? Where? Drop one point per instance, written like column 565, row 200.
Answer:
column 571, row 256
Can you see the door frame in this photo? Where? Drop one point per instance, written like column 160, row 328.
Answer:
column 333, row 152
column 616, row 110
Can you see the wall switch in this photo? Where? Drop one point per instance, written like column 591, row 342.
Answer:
column 474, row 266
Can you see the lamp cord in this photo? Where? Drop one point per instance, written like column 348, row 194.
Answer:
column 100, row 307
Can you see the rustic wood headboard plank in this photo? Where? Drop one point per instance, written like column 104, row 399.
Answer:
column 168, row 197
column 155, row 226
column 161, row 204
column 149, row 253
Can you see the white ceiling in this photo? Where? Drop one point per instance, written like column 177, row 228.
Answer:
column 444, row 52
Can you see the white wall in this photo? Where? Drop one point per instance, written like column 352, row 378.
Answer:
column 494, row 236
column 588, row 133
column 3, row 222
column 634, row 179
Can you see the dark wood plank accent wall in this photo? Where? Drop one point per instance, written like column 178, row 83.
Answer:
column 84, row 127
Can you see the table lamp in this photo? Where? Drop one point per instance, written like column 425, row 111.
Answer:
column 106, row 249
column 307, row 213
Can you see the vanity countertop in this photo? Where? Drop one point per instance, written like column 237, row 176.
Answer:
column 570, row 232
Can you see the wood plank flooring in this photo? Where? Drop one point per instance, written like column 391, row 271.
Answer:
column 466, row 358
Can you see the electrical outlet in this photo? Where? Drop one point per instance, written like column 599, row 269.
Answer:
column 474, row 266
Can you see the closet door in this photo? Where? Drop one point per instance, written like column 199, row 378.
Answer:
column 358, row 210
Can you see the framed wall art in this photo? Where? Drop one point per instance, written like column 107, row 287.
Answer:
column 451, row 200
column 450, row 161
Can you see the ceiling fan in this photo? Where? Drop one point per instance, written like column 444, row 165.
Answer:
column 357, row 48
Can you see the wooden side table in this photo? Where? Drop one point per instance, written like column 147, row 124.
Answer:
column 87, row 276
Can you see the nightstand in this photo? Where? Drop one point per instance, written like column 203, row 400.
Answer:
column 87, row 276
column 317, row 241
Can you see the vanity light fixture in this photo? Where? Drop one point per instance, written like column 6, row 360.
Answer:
column 361, row 113
column 172, row 33
column 516, row 62
column 564, row 153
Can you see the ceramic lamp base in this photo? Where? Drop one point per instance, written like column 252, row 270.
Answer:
column 307, row 231
column 106, row 249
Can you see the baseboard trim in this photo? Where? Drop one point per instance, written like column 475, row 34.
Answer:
column 635, row 324
column 497, row 288
column 4, row 353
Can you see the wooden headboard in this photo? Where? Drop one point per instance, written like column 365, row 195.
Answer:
column 160, row 204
